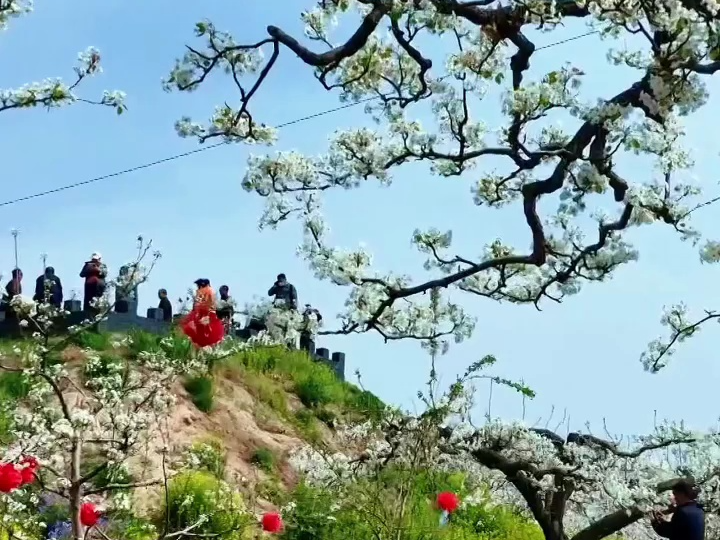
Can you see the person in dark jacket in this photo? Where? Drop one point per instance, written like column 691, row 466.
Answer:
column 12, row 289
column 95, row 274
column 14, row 286
column 48, row 288
column 688, row 518
column 284, row 292
column 165, row 306
column 225, row 307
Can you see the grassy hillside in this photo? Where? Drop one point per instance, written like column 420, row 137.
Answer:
column 234, row 430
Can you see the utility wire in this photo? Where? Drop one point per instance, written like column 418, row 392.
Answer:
column 217, row 145
column 172, row 158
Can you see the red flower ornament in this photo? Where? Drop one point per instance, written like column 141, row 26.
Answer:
column 89, row 515
column 29, row 468
column 10, row 478
column 272, row 523
column 448, row 502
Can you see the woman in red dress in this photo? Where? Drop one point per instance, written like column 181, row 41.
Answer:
column 202, row 324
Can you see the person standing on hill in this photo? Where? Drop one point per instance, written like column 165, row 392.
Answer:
column 48, row 288
column 95, row 273
column 225, row 307
column 202, row 324
column 165, row 306
column 12, row 289
column 284, row 292
column 14, row 286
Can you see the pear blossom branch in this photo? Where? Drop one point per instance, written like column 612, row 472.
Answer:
column 125, row 487
column 675, row 318
column 396, row 71
column 55, row 93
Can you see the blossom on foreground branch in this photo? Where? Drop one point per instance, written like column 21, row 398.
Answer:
column 387, row 59
column 675, row 318
column 85, row 421
column 54, row 92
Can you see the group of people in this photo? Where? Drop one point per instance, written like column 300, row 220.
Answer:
column 48, row 286
column 210, row 314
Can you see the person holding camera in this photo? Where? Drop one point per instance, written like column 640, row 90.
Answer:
column 284, row 292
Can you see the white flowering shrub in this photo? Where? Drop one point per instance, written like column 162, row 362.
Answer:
column 53, row 93
column 283, row 326
column 89, row 422
column 406, row 59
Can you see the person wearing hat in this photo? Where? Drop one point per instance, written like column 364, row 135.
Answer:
column 95, row 274
column 48, row 288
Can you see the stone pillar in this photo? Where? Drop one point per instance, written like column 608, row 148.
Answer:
column 155, row 314
column 73, row 306
column 338, row 362
column 323, row 354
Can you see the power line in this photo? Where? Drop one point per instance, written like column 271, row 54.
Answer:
column 562, row 41
column 172, row 158
column 217, row 145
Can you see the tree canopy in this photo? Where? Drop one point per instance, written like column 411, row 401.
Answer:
column 447, row 57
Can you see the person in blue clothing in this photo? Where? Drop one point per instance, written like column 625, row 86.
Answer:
column 688, row 516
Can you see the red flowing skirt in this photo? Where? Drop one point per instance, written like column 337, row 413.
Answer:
column 203, row 327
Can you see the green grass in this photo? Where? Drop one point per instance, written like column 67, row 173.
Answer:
column 211, row 456
column 13, row 387
column 141, row 341
column 97, row 341
column 264, row 459
column 198, row 494
column 307, row 424
column 201, row 392
column 314, row 383
column 267, row 391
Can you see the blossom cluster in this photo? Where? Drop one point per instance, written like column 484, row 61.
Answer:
column 575, row 168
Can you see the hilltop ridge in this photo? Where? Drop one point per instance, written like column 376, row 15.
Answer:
column 258, row 405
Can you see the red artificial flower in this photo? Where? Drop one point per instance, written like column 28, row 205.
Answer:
column 448, row 502
column 89, row 515
column 272, row 522
column 29, row 469
column 10, row 478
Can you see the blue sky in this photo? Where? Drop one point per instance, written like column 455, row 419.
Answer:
column 581, row 356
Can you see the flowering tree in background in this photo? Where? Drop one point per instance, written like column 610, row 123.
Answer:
column 450, row 54
column 578, row 487
column 54, row 92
